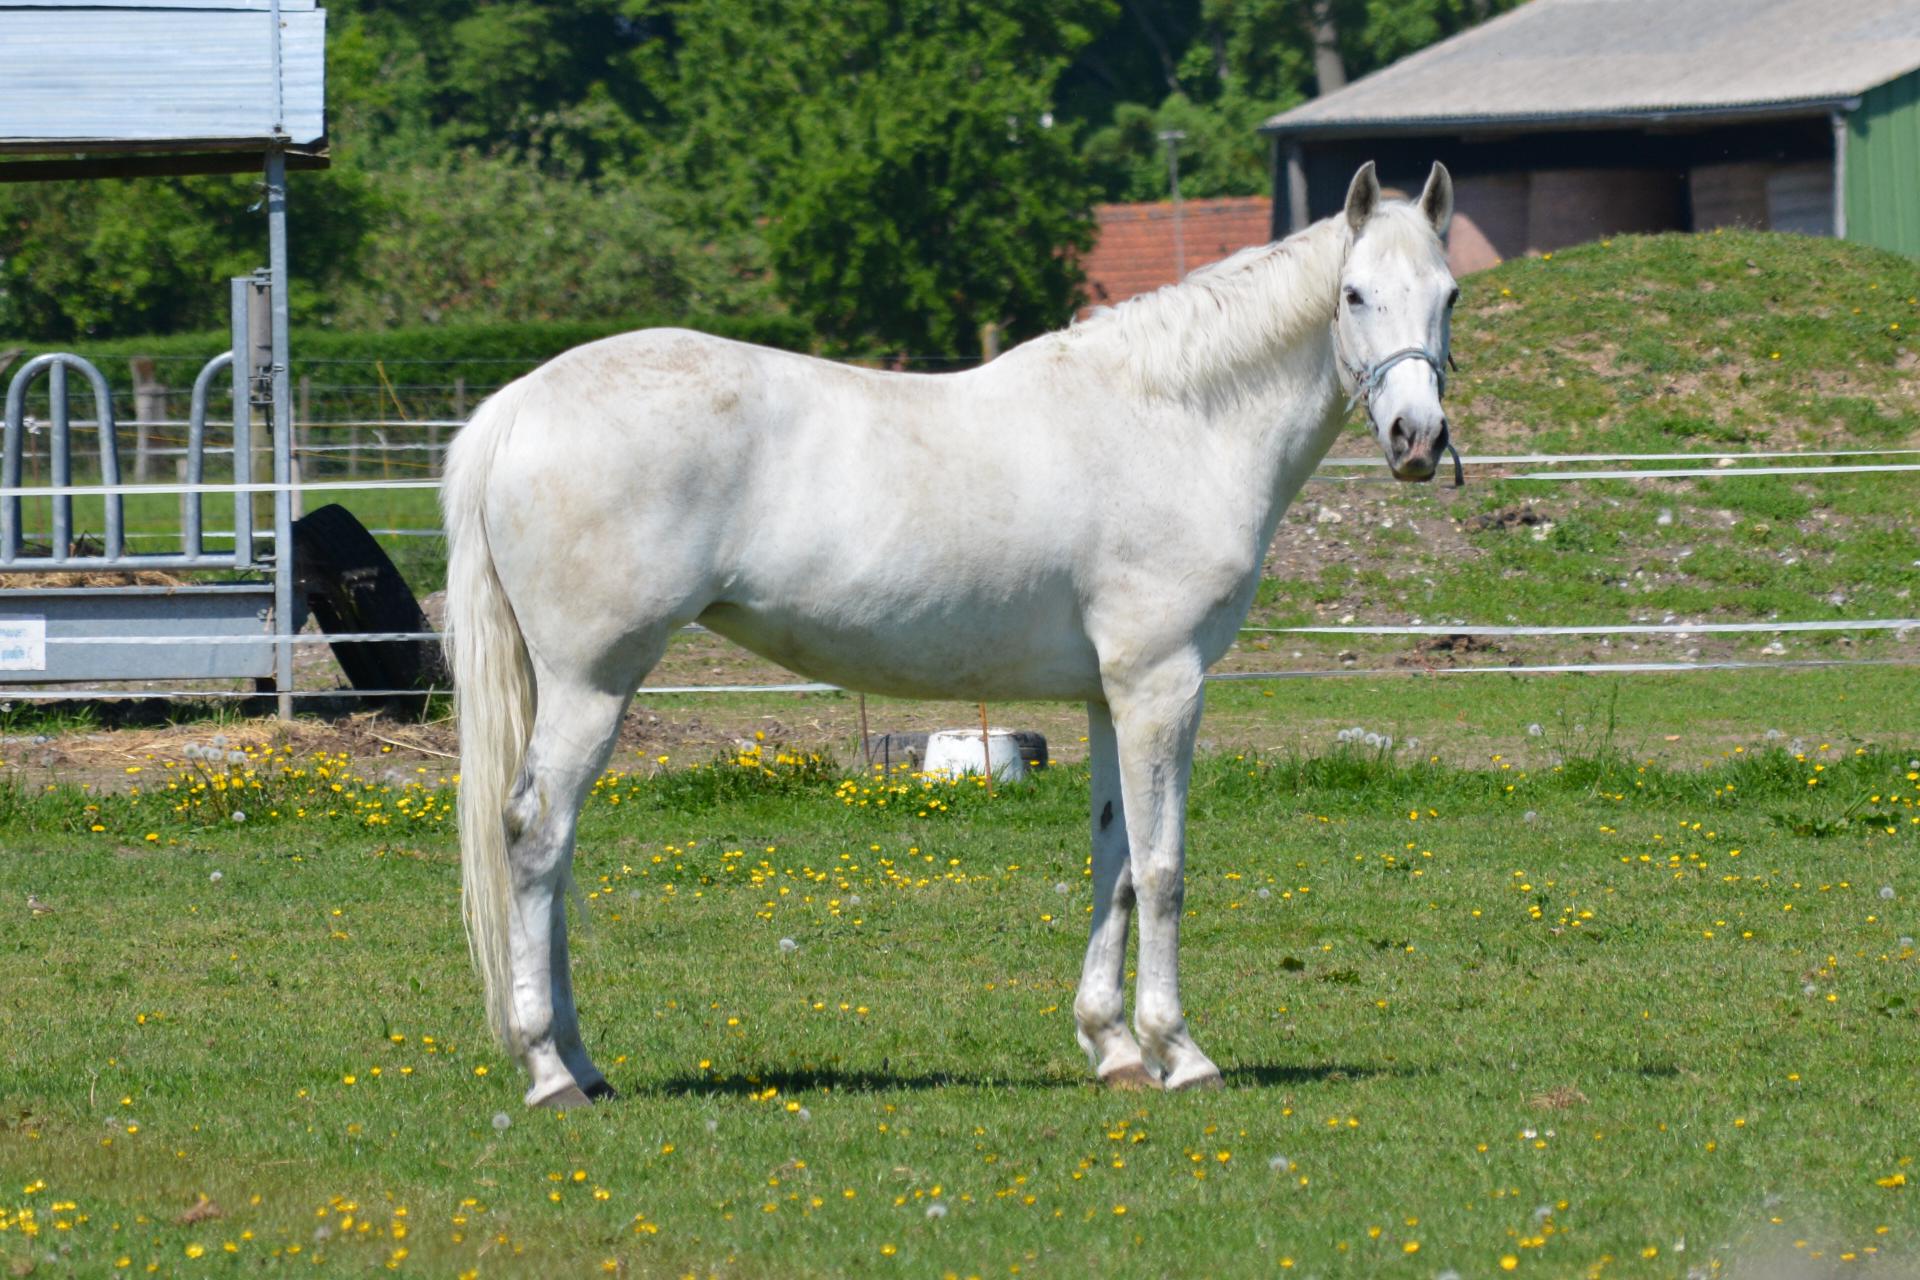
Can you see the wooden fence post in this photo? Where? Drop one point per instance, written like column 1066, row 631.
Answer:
column 149, row 406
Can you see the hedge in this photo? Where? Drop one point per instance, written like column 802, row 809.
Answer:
column 424, row 363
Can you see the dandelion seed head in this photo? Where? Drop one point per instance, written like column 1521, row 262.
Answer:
column 1886, row 892
column 936, row 1210
column 1279, row 1164
column 216, row 877
column 501, row 1120
column 788, row 946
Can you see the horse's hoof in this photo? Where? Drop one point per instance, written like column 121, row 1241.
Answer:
column 1207, row 1079
column 601, row 1091
column 568, row 1098
column 1129, row 1079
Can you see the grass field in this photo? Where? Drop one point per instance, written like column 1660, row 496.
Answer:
column 1555, row 1011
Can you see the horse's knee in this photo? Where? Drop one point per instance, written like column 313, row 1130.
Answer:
column 1159, row 883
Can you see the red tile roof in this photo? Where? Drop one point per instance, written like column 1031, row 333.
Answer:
column 1135, row 249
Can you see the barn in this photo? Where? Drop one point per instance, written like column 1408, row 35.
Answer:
column 1566, row 120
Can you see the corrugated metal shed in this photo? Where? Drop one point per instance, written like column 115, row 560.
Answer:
column 1561, row 62
column 160, row 74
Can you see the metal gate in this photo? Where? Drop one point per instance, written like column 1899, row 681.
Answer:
column 235, row 628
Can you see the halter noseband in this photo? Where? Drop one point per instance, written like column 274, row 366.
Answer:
column 1367, row 380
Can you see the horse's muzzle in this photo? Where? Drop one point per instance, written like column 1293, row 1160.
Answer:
column 1414, row 453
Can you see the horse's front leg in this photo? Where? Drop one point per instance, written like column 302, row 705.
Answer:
column 1099, row 1010
column 1156, row 713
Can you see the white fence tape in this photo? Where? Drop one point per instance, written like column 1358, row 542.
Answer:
column 1418, row 629
column 1557, row 668
column 1613, row 629
column 1717, row 471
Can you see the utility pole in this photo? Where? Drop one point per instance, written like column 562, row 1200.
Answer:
column 1173, row 137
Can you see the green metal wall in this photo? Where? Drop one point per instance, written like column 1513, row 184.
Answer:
column 1883, row 167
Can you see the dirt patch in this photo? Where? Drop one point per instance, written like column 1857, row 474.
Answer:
column 1505, row 518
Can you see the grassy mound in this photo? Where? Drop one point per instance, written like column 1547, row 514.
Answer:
column 1663, row 343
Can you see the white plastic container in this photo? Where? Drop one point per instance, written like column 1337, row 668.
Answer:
column 957, row 751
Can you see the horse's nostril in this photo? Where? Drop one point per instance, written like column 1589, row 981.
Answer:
column 1398, row 434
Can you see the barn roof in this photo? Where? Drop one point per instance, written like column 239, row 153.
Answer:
column 1569, row 63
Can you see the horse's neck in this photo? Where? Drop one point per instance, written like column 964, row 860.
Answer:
column 1283, row 429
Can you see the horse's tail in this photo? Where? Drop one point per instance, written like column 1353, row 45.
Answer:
column 494, row 698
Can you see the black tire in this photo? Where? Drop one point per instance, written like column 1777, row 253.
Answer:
column 352, row 587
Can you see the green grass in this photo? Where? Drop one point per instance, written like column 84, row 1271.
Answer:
column 1542, row 1011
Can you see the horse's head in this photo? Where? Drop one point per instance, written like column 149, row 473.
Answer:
column 1392, row 323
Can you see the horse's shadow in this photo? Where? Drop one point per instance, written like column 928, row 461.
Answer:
column 789, row 1081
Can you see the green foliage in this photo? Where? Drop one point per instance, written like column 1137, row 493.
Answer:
column 972, row 208
column 140, row 256
column 1218, row 69
column 932, row 121
column 909, row 169
column 537, row 247
column 484, row 354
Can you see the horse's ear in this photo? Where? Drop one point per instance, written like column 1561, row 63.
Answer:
column 1437, row 200
column 1363, row 196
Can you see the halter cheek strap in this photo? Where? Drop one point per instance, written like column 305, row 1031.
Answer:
column 1367, row 380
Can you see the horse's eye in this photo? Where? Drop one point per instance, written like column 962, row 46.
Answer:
column 1353, row 297
column 1453, row 297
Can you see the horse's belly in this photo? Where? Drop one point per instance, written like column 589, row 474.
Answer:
column 972, row 656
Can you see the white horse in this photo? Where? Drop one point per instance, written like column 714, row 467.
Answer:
column 1118, row 483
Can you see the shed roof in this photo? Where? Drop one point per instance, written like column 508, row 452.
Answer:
column 120, row 75
column 1583, row 62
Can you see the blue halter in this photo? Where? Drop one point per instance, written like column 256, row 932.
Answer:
column 1368, row 379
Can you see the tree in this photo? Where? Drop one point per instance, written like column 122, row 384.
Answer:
column 1242, row 62
column 530, row 243
column 107, row 258
column 903, row 155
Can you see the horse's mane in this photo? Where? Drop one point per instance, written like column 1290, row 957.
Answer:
column 1220, row 329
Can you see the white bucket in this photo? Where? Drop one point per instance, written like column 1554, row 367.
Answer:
column 957, row 751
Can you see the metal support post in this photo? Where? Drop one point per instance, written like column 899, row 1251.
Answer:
column 241, row 287
column 282, row 432
column 1840, row 133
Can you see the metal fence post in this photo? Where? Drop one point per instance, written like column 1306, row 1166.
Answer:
column 282, row 432
column 240, row 289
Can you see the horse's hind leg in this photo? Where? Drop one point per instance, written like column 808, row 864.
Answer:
column 573, row 734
